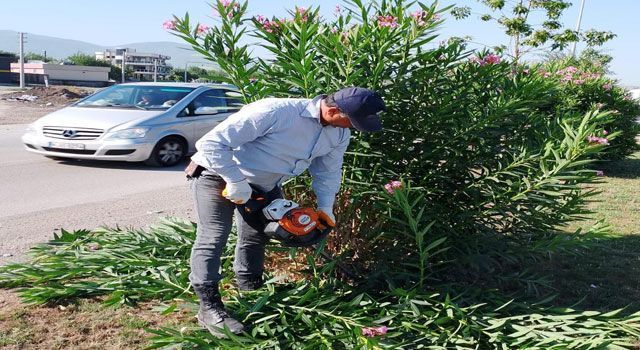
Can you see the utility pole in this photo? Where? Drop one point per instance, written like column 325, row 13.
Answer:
column 45, row 56
column 124, row 58
column 21, row 60
column 155, row 70
column 573, row 49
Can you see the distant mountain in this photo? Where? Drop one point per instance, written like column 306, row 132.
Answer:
column 60, row 48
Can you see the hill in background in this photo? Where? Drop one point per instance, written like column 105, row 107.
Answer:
column 59, row 48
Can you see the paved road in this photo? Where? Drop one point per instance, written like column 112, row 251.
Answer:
column 38, row 196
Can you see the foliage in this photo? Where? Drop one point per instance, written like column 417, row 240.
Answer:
column 31, row 56
column 318, row 313
column 11, row 55
column 82, row 59
column 482, row 140
column 519, row 20
column 494, row 157
column 129, row 265
column 582, row 87
column 195, row 74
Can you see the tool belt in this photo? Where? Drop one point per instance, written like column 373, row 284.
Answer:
column 193, row 170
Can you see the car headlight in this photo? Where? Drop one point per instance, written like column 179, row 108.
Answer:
column 134, row 133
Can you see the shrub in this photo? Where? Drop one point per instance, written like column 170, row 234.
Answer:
column 483, row 140
column 582, row 87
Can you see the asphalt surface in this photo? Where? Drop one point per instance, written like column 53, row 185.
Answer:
column 40, row 196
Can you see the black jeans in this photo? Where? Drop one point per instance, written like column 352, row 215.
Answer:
column 214, row 216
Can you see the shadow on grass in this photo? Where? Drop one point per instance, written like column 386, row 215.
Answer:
column 600, row 274
column 603, row 276
column 625, row 168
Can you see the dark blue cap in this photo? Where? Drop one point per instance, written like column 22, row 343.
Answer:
column 361, row 107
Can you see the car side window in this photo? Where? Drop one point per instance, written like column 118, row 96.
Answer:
column 209, row 102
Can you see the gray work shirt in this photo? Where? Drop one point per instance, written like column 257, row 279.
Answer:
column 274, row 139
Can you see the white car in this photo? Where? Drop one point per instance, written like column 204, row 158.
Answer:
column 158, row 123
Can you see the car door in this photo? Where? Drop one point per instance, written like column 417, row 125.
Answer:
column 210, row 108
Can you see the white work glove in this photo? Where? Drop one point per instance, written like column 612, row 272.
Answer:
column 326, row 216
column 238, row 192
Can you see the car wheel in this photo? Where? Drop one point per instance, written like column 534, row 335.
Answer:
column 169, row 151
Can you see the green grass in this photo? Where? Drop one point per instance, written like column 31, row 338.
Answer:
column 607, row 274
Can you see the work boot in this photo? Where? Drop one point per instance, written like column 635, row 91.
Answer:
column 249, row 283
column 212, row 314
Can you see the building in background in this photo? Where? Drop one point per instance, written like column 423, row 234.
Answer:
column 5, row 68
column 60, row 74
column 142, row 66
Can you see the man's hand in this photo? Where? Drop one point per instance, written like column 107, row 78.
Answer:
column 238, row 192
column 326, row 216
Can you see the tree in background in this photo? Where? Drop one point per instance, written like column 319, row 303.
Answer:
column 81, row 59
column 12, row 56
column 196, row 74
column 534, row 25
column 32, row 56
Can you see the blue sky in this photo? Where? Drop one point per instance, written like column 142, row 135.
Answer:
column 117, row 22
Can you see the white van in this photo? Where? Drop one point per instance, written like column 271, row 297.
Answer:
column 158, row 123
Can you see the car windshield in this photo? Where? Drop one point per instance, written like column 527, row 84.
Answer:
column 136, row 96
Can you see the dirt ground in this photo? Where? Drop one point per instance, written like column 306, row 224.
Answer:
column 85, row 324
column 48, row 96
column 24, row 107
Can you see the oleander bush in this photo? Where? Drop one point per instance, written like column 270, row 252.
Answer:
column 582, row 87
column 476, row 171
column 483, row 138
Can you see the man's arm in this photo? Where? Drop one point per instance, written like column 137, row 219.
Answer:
column 241, row 127
column 326, row 172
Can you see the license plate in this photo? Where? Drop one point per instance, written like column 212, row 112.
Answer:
column 66, row 145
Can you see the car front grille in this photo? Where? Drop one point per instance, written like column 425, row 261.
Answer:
column 71, row 133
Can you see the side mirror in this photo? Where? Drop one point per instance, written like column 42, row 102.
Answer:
column 206, row 110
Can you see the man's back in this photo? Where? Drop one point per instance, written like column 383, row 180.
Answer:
column 274, row 139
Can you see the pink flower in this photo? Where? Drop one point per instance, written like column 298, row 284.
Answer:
column 338, row 10
column 525, row 71
column 488, row 59
column 387, row 21
column 374, row 331
column 571, row 69
column 546, row 74
column 270, row 26
column 605, row 133
column 202, row 28
column 599, row 173
column 334, row 30
column 419, row 16
column 169, row 25
column 598, row 140
column 225, row 3
column 492, row 59
column 392, row 186
column 578, row 81
column 260, row 19
column 607, row 86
